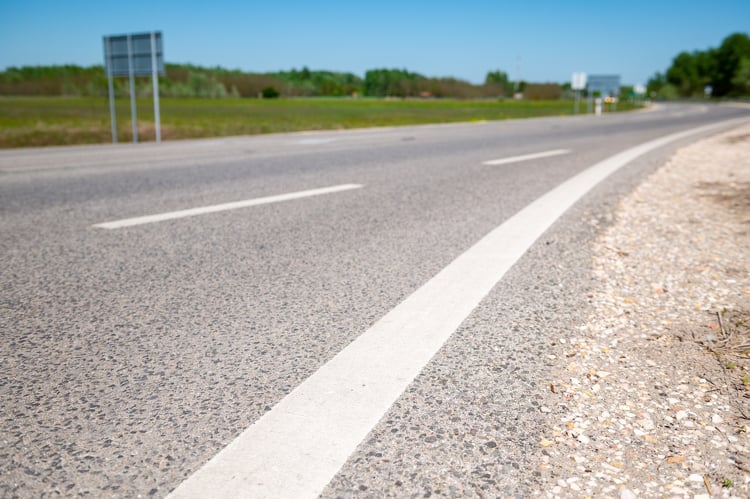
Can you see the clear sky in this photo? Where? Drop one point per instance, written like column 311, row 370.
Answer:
column 540, row 40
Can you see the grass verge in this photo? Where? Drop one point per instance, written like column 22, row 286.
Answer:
column 44, row 121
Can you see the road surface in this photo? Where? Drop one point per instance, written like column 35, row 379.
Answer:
column 159, row 300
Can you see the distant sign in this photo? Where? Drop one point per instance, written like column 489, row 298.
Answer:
column 578, row 81
column 606, row 85
column 120, row 50
column 639, row 89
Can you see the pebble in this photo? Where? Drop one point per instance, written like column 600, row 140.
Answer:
column 642, row 411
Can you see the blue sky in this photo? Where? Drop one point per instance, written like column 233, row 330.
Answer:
column 540, row 40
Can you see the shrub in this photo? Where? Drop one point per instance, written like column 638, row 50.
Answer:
column 269, row 93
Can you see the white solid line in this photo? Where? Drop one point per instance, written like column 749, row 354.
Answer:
column 527, row 157
column 295, row 449
column 225, row 206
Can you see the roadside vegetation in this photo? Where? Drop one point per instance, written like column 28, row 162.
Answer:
column 722, row 72
column 61, row 105
column 187, row 81
column 57, row 105
column 39, row 121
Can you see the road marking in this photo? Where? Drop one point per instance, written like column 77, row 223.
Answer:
column 315, row 141
column 295, row 449
column 527, row 157
column 128, row 222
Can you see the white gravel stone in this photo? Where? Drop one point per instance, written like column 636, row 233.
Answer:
column 642, row 406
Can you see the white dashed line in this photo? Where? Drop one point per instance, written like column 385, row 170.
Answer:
column 295, row 449
column 526, row 157
column 315, row 141
column 128, row 222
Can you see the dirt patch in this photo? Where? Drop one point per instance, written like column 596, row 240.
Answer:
column 733, row 139
column 733, row 196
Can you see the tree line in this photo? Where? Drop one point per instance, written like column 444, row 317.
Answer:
column 716, row 72
column 184, row 80
column 724, row 71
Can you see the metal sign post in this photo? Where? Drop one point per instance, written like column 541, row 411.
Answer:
column 131, row 77
column 139, row 54
column 155, row 81
column 112, row 116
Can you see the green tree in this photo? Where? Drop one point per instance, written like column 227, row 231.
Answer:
column 683, row 74
column 741, row 80
column 691, row 72
column 391, row 83
column 722, row 68
column 729, row 57
column 499, row 79
column 668, row 92
column 205, row 85
column 655, row 83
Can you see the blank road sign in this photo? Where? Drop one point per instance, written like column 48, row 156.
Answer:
column 117, row 54
column 578, row 81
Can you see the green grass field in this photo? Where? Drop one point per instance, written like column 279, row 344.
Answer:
column 44, row 121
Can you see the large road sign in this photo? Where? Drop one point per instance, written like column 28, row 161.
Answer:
column 136, row 47
column 137, row 54
column 606, row 85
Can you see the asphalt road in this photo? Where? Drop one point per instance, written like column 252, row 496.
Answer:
column 132, row 356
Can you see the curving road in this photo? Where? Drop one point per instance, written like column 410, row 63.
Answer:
column 158, row 300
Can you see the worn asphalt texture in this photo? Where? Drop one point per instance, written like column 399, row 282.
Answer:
column 130, row 357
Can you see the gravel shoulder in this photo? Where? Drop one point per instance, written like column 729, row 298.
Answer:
column 653, row 395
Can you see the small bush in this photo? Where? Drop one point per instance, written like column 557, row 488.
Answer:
column 270, row 93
